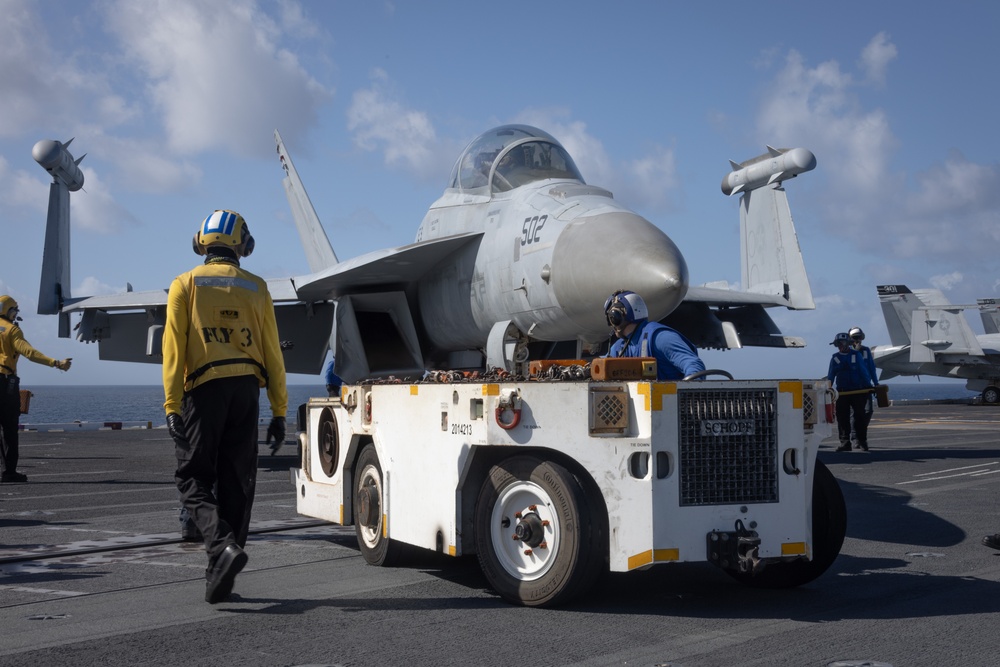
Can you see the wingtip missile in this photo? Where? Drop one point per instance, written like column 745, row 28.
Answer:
column 775, row 166
column 54, row 157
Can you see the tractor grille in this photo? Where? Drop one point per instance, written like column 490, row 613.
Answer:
column 608, row 410
column 728, row 446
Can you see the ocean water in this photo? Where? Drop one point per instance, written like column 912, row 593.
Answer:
column 61, row 404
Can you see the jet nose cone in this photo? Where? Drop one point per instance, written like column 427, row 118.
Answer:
column 597, row 255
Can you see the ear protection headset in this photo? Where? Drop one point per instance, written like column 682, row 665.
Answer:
column 8, row 308
column 225, row 228
column 624, row 307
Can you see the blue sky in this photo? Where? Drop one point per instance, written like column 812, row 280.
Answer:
column 175, row 104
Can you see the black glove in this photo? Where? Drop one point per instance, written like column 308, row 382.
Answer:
column 175, row 424
column 276, row 429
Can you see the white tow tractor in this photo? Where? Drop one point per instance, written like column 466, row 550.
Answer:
column 550, row 482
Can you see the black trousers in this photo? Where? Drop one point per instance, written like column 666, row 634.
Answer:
column 845, row 406
column 217, row 466
column 10, row 414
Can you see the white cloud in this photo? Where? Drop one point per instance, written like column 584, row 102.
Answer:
column 91, row 286
column 379, row 121
column 951, row 213
column 649, row 181
column 44, row 87
column 216, row 72
column 876, row 56
column 19, row 189
column 94, row 209
column 143, row 166
column 946, row 282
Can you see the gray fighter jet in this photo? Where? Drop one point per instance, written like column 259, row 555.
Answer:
column 930, row 336
column 513, row 262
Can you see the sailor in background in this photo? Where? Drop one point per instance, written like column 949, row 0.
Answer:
column 849, row 375
column 12, row 346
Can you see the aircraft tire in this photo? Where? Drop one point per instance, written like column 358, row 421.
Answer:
column 991, row 395
column 829, row 520
column 537, row 537
column 369, row 514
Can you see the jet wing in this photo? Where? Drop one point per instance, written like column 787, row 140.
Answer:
column 714, row 296
column 391, row 266
column 128, row 326
column 123, row 301
column 281, row 289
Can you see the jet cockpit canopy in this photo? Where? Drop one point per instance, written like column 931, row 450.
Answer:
column 510, row 156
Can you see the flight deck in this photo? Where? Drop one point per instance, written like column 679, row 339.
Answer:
column 93, row 571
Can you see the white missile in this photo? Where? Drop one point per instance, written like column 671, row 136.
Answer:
column 57, row 160
column 774, row 166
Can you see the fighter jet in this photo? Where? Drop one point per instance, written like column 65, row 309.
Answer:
column 930, row 336
column 513, row 262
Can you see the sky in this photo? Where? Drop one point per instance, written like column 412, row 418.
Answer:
column 175, row 102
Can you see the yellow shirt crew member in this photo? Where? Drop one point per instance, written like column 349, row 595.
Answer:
column 220, row 323
column 12, row 346
column 220, row 346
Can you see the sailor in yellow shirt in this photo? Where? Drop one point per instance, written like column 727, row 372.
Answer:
column 12, row 346
column 220, row 346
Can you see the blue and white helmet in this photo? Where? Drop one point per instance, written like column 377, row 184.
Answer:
column 624, row 307
column 224, row 228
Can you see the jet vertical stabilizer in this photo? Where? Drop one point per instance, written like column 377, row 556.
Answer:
column 898, row 305
column 54, row 287
column 769, row 248
column 319, row 251
column 773, row 271
column 989, row 312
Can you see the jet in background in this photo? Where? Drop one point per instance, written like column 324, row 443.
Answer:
column 989, row 313
column 931, row 336
column 513, row 262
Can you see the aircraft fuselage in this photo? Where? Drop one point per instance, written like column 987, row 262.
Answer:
column 551, row 252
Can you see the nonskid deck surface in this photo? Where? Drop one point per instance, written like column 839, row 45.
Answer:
column 91, row 566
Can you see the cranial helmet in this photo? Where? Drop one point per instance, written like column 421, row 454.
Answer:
column 624, row 307
column 856, row 333
column 224, row 228
column 8, row 304
column 841, row 338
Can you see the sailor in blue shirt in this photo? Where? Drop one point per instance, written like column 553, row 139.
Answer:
column 857, row 342
column 849, row 374
column 676, row 357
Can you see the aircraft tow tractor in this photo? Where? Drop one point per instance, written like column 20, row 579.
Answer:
column 572, row 469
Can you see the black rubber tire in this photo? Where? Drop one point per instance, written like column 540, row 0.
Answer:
column 829, row 520
column 991, row 395
column 329, row 443
column 376, row 548
column 571, row 558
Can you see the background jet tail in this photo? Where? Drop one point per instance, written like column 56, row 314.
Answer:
column 319, row 251
column 989, row 312
column 898, row 304
column 926, row 321
column 770, row 255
